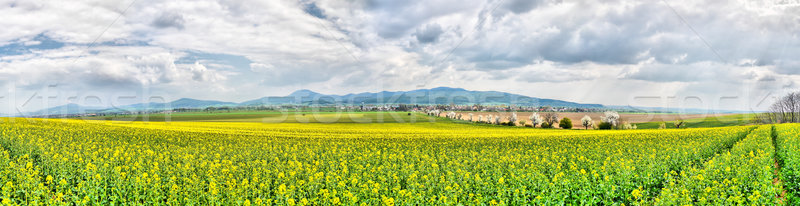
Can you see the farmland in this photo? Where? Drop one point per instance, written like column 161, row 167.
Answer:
column 273, row 117
column 647, row 120
column 46, row 161
column 642, row 120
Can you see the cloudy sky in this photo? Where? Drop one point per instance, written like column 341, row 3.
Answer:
column 718, row 54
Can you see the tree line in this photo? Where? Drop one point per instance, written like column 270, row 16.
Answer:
column 785, row 110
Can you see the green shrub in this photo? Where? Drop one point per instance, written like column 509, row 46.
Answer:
column 565, row 123
column 605, row 125
column 546, row 125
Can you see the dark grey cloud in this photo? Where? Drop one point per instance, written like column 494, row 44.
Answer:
column 395, row 19
column 168, row 19
column 586, row 37
column 521, row 6
column 602, row 45
column 428, row 34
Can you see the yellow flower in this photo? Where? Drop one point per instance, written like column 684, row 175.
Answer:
column 388, row 201
column 636, row 193
column 282, row 189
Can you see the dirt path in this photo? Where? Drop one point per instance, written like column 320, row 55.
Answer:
column 777, row 182
column 777, row 170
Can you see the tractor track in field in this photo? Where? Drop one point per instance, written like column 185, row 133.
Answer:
column 700, row 163
column 777, row 162
column 779, row 183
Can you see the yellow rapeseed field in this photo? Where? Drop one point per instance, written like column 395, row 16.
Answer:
column 75, row 162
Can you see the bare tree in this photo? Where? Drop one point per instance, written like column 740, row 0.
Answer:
column 679, row 123
column 785, row 110
column 550, row 117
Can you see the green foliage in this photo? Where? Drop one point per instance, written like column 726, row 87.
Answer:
column 546, row 125
column 742, row 176
column 605, row 125
column 716, row 121
column 565, row 123
column 627, row 126
column 787, row 140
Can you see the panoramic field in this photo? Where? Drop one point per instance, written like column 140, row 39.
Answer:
column 237, row 163
column 381, row 102
column 642, row 120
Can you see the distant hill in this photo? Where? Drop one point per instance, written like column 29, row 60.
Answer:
column 439, row 95
column 678, row 110
column 180, row 103
column 67, row 109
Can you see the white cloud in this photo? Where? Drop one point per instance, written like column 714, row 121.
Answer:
column 354, row 46
column 261, row 67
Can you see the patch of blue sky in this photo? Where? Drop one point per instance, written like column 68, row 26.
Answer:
column 215, row 60
column 21, row 46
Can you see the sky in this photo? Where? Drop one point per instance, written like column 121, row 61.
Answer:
column 701, row 54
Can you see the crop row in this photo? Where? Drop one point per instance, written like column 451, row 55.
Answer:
column 744, row 175
column 788, row 140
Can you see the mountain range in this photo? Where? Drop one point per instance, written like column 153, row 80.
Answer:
column 439, row 95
